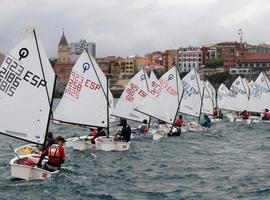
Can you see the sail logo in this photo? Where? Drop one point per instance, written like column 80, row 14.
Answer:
column 142, row 77
column 192, row 77
column 170, row 77
column 262, row 79
column 23, row 53
column 86, row 66
column 237, row 83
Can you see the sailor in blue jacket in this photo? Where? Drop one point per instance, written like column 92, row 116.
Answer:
column 206, row 122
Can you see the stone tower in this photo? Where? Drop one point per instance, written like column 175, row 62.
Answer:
column 63, row 50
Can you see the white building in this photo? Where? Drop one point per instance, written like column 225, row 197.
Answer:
column 189, row 58
column 77, row 48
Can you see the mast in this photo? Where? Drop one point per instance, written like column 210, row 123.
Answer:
column 48, row 97
column 108, row 115
column 179, row 103
column 149, row 122
column 201, row 106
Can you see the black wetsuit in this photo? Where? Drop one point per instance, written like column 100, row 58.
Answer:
column 125, row 133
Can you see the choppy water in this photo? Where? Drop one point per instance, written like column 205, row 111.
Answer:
column 231, row 161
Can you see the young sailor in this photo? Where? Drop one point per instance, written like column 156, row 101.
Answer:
column 206, row 122
column 56, row 154
column 125, row 132
column 266, row 115
column 176, row 131
column 179, row 122
column 143, row 128
column 244, row 114
column 100, row 132
column 215, row 112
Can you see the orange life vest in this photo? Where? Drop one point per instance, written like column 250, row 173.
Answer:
column 54, row 154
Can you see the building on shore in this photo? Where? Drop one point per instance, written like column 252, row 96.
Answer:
column 169, row 58
column 189, row 58
column 76, row 49
column 63, row 65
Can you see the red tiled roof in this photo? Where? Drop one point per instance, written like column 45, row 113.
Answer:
column 254, row 57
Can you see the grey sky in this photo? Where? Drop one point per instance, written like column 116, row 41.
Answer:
column 126, row 27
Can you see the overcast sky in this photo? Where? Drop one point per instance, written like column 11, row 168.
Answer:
column 128, row 27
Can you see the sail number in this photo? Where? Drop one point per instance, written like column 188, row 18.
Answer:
column 131, row 90
column 76, row 82
column 163, row 84
column 11, row 75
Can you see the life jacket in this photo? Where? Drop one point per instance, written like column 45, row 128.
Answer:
column 54, row 154
column 145, row 130
column 179, row 122
column 215, row 113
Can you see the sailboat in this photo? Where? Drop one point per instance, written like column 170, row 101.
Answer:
column 135, row 91
column 223, row 97
column 238, row 99
column 87, row 102
column 27, row 83
column 192, row 102
column 162, row 102
column 259, row 97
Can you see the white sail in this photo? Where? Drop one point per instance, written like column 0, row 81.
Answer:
column 26, row 88
column 251, row 84
column 246, row 84
column 153, row 79
column 84, row 100
column 223, row 98
column 207, row 104
column 260, row 94
column 212, row 92
column 239, row 95
column 134, row 93
column 163, row 99
column 191, row 101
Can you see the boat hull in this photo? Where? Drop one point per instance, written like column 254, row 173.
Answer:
column 195, row 127
column 109, row 144
column 26, row 172
column 80, row 143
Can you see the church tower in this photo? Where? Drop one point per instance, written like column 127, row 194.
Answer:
column 63, row 50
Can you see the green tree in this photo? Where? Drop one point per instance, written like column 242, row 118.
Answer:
column 214, row 63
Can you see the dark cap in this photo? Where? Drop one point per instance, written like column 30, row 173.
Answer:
column 60, row 138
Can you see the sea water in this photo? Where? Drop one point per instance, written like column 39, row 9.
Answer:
column 230, row 161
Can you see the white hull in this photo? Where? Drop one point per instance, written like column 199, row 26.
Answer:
column 164, row 130
column 195, row 127
column 79, row 143
column 214, row 120
column 108, row 144
column 160, row 134
column 28, row 172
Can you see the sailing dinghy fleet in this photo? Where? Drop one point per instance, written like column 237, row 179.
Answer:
column 27, row 83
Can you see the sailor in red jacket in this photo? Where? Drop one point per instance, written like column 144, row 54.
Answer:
column 179, row 122
column 56, row 154
column 245, row 114
column 266, row 114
